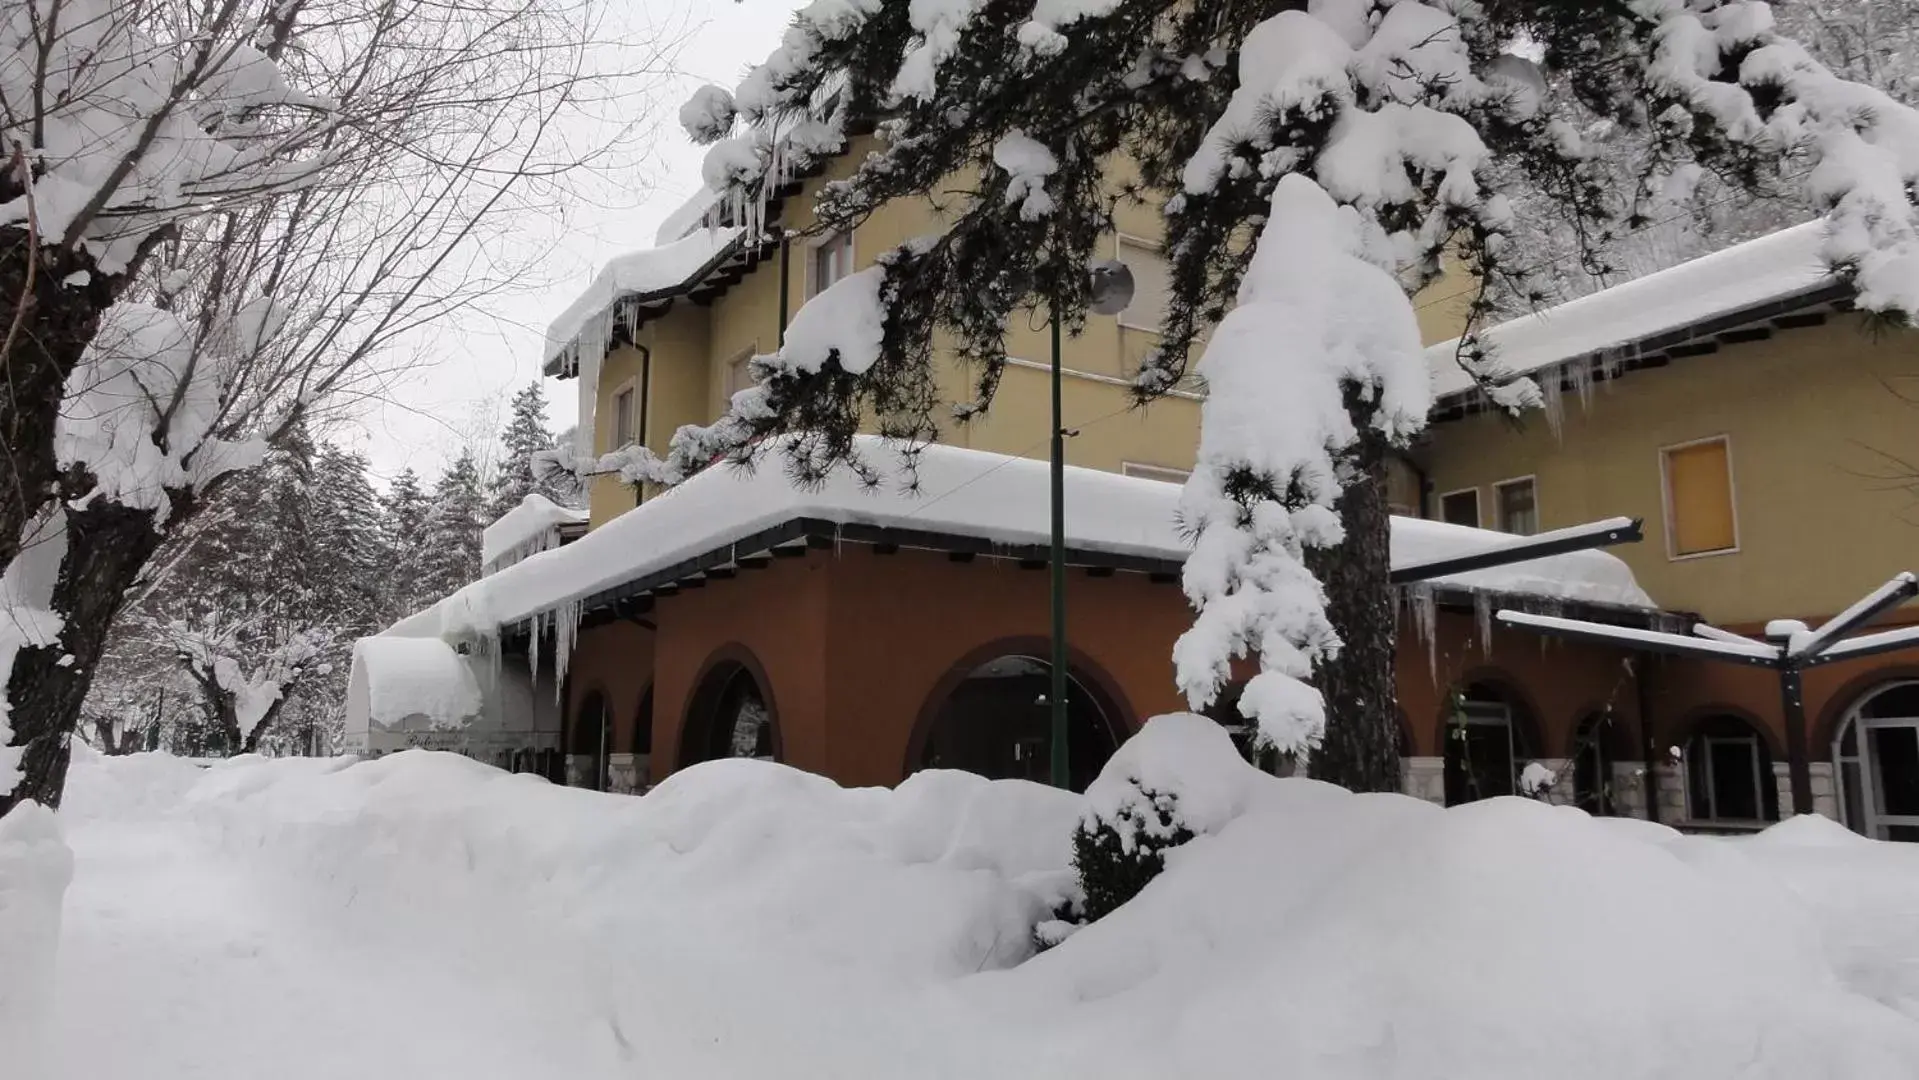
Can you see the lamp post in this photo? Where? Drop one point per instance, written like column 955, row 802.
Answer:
column 1109, row 290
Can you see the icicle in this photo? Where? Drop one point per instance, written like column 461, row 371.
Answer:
column 566, row 629
column 533, row 649
column 1483, row 612
column 1425, row 611
column 1582, row 380
column 1554, row 403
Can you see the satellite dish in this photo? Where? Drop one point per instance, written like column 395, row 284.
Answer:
column 1112, row 287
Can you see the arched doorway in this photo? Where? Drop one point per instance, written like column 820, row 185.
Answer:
column 1876, row 759
column 1594, row 753
column 1729, row 778
column 1488, row 741
column 731, row 717
column 997, row 722
column 587, row 741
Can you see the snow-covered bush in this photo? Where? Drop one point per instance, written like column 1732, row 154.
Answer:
column 1180, row 777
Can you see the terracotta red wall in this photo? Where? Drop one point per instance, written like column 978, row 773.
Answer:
column 900, row 624
column 778, row 615
column 855, row 646
column 1688, row 691
column 615, row 659
column 1559, row 684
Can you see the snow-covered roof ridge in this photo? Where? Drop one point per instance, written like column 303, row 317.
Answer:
column 649, row 271
column 960, row 492
column 531, row 523
column 1775, row 267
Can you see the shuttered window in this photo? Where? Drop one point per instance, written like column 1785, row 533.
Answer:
column 1699, row 509
column 1151, row 284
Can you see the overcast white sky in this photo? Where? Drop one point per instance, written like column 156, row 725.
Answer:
column 462, row 396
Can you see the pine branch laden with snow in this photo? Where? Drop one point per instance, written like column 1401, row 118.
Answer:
column 1313, row 318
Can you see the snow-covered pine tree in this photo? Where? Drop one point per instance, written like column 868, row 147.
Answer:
column 450, row 542
column 349, row 553
column 1697, row 212
column 525, row 436
column 1420, row 122
column 404, row 511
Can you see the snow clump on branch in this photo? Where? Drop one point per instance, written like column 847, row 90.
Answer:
column 1313, row 317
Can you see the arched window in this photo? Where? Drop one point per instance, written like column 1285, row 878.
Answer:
column 588, row 743
column 998, row 723
column 1593, row 758
column 730, row 717
column 1729, row 773
column 1486, row 745
column 1877, row 761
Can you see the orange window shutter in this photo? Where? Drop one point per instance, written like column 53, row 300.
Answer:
column 1700, row 481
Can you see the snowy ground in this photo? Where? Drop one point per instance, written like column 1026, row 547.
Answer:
column 424, row 916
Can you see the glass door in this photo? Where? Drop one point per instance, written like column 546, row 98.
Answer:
column 1892, row 751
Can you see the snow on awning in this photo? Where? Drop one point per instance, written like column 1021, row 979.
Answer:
column 655, row 272
column 530, row 527
column 967, row 493
column 1772, row 268
column 410, row 684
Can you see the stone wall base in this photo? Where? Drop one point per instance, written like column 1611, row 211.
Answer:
column 1424, row 778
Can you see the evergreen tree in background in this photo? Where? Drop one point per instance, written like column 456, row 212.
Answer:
column 349, row 542
column 524, row 436
column 1417, row 128
column 239, row 607
column 450, row 541
column 403, row 520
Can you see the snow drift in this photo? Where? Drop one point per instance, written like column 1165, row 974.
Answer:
column 35, row 867
column 746, row 919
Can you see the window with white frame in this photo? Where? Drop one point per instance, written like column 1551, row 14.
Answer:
column 1152, row 283
column 625, row 417
column 1729, row 773
column 739, row 372
column 1154, row 472
column 830, row 260
column 1460, row 508
column 1516, row 504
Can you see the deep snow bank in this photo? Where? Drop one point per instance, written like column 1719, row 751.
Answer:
column 35, row 868
column 746, row 917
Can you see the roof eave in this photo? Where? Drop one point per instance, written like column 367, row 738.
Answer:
column 1656, row 350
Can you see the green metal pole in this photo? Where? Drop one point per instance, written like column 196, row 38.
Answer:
column 1062, row 777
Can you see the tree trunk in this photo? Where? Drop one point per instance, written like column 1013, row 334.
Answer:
column 44, row 327
column 1361, row 747
column 107, row 546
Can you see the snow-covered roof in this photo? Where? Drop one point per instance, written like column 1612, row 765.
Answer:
column 649, row 272
column 1772, row 268
column 961, row 492
column 410, row 683
column 534, row 520
column 690, row 215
